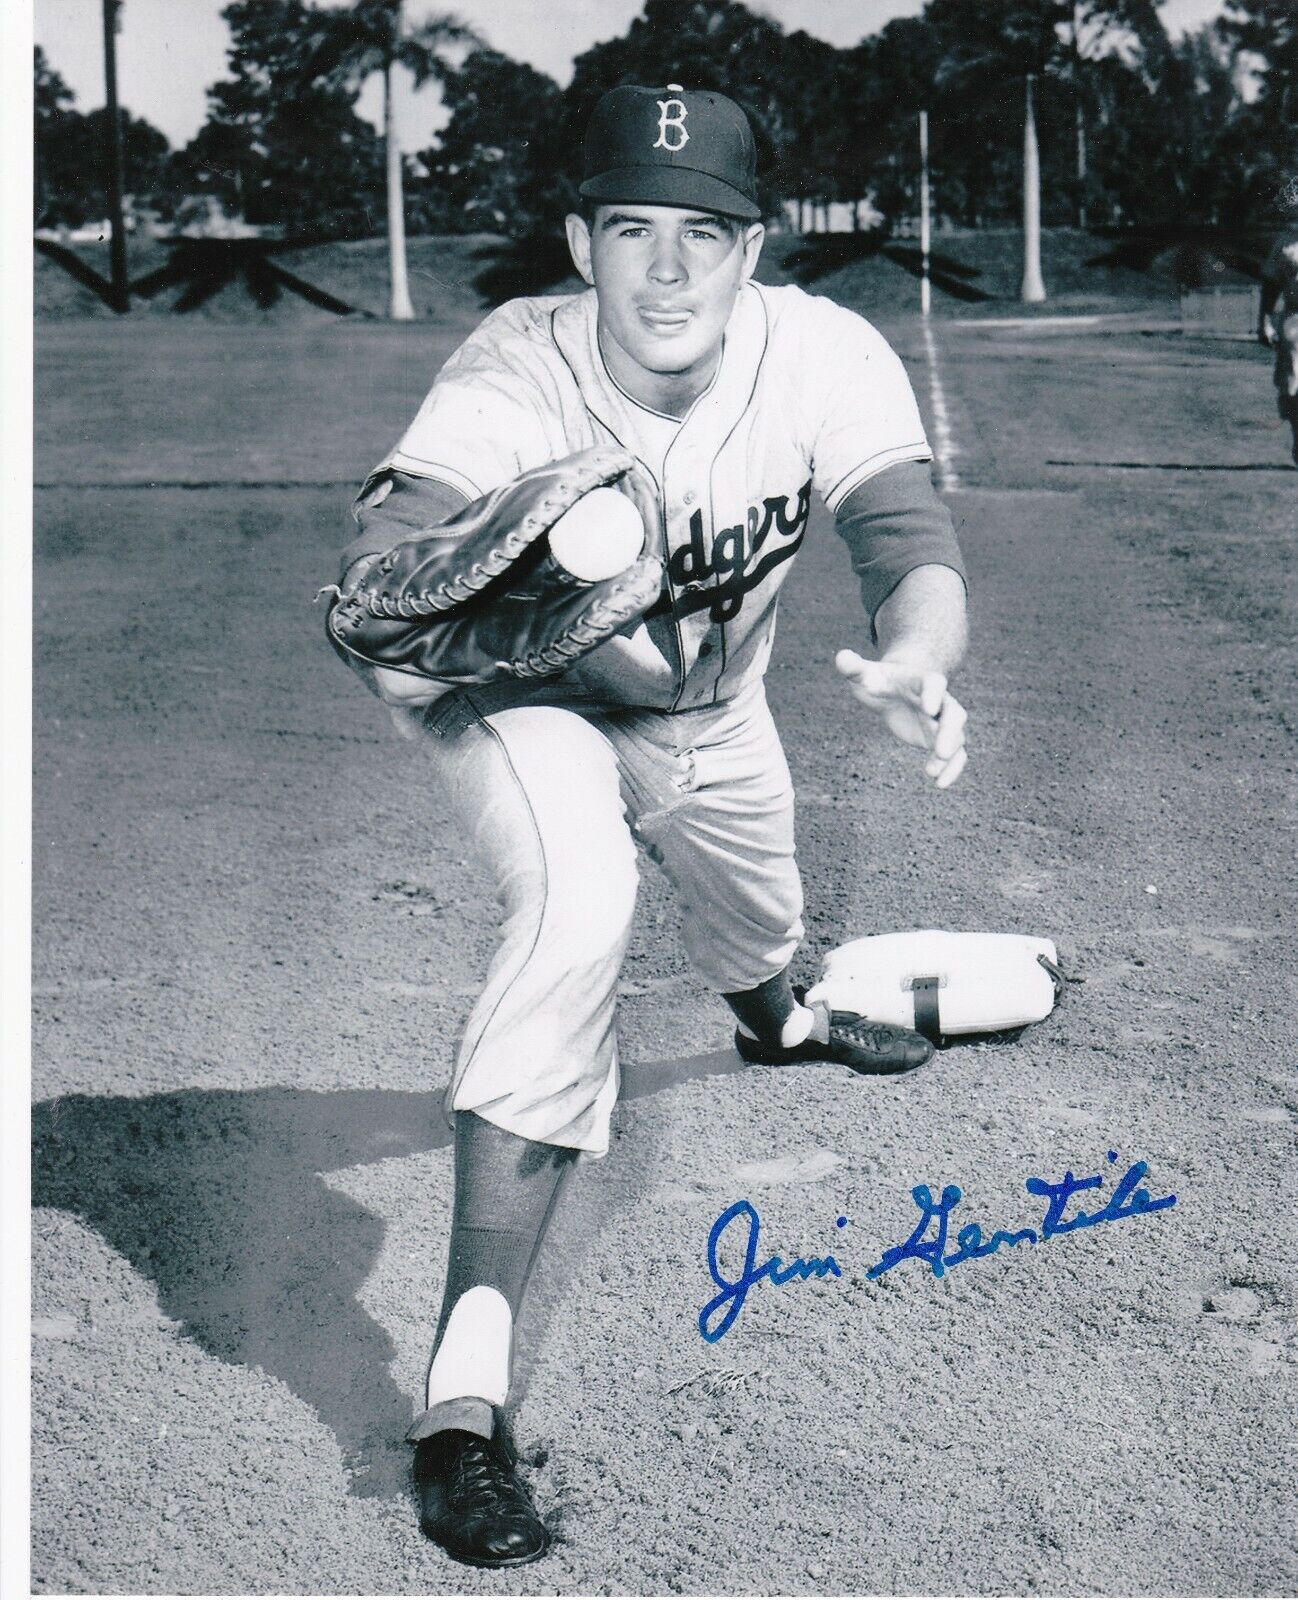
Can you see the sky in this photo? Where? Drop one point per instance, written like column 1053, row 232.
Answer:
column 169, row 51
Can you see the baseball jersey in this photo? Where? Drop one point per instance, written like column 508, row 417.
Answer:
column 807, row 397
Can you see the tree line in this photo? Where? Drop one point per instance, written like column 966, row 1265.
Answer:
column 1135, row 128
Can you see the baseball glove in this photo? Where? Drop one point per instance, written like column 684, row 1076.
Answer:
column 477, row 597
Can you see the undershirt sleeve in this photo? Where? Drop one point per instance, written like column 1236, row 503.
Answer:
column 395, row 506
column 892, row 523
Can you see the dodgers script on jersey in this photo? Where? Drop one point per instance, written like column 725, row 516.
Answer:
column 807, row 397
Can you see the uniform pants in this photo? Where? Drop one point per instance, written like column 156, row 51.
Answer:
column 1286, row 359
column 554, row 800
column 1286, row 373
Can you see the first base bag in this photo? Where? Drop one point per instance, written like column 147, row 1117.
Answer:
column 944, row 984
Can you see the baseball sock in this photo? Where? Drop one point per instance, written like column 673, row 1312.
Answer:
column 770, row 1012
column 505, row 1190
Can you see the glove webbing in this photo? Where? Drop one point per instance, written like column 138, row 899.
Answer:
column 603, row 617
column 455, row 591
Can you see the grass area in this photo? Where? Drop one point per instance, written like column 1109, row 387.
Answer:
column 455, row 279
column 977, row 272
column 228, row 280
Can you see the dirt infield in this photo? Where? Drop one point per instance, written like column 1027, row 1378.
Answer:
column 255, row 941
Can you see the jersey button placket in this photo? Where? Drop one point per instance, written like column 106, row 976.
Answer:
column 680, row 505
column 691, row 467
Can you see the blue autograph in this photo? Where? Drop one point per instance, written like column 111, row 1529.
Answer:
column 1123, row 1202
column 734, row 1291
column 718, row 1316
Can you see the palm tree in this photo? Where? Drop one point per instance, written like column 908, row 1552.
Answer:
column 962, row 71
column 1033, row 289
column 1021, row 42
column 370, row 36
column 121, row 300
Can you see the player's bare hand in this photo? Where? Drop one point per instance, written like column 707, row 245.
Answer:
column 406, row 688
column 916, row 708
column 406, row 697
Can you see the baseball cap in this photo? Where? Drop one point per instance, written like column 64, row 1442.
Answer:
column 672, row 147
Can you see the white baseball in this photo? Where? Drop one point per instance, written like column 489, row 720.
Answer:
column 598, row 537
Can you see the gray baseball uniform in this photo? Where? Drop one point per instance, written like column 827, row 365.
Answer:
column 662, row 735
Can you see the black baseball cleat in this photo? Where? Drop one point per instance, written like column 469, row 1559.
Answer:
column 472, row 1503
column 869, row 1048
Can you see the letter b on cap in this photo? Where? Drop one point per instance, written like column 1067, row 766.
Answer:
column 672, row 132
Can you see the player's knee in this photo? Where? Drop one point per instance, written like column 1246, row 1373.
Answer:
column 745, row 947
column 590, row 920
column 771, row 916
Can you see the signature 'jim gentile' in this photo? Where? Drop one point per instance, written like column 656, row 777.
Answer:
column 738, row 1228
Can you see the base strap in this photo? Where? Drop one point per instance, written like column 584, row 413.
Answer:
column 928, row 1020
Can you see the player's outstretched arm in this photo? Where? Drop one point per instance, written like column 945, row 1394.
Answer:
column 922, row 634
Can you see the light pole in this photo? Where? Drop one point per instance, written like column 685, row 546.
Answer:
column 1080, row 121
column 120, row 287
column 925, row 294
column 1079, row 113
column 1033, row 290
column 400, row 308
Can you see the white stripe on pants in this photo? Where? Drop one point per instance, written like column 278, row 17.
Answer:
column 552, row 799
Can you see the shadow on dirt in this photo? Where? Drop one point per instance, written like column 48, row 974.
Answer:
column 529, row 266
column 201, row 268
column 1195, row 255
column 652, row 1077
column 820, row 254
column 76, row 268
column 218, row 1198
column 818, row 257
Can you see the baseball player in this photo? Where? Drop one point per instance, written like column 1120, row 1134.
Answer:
column 736, row 404
column 1278, row 325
